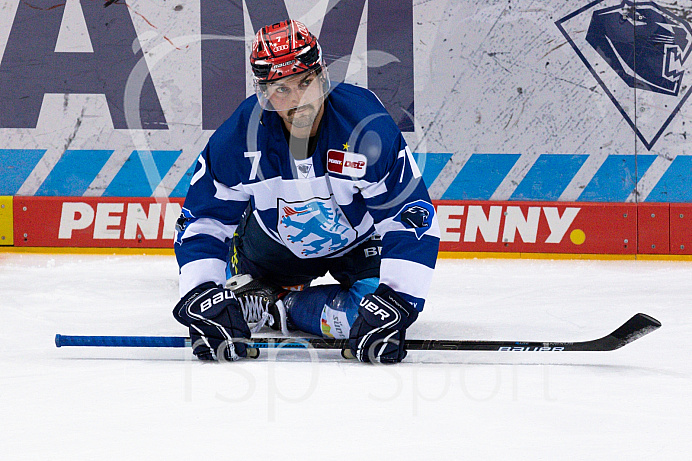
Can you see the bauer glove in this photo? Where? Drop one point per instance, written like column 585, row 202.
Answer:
column 379, row 331
column 217, row 326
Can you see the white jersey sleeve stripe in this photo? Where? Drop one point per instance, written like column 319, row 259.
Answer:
column 212, row 227
column 197, row 272
column 236, row 193
column 406, row 277
column 370, row 190
column 202, row 170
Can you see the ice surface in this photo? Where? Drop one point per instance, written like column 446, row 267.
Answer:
column 99, row 403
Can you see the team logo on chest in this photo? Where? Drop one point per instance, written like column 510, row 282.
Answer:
column 314, row 228
column 346, row 163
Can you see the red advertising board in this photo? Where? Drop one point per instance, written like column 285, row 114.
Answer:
column 681, row 228
column 465, row 226
column 537, row 227
column 106, row 222
column 653, row 224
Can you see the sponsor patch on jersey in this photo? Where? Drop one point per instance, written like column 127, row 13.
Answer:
column 313, row 228
column 346, row 163
column 416, row 215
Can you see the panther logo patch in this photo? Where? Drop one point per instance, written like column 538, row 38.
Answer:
column 417, row 215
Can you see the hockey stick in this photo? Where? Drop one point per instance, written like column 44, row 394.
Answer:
column 634, row 328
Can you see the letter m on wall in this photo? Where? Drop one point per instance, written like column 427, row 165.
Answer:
column 31, row 66
column 389, row 31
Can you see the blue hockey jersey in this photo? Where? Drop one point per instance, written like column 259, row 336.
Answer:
column 361, row 179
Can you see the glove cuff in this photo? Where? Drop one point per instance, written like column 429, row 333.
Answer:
column 179, row 309
column 390, row 296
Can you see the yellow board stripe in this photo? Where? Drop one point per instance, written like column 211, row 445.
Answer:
column 502, row 255
column 84, row 250
column 6, row 221
column 442, row 255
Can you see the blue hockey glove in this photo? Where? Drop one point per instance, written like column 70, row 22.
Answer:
column 216, row 322
column 379, row 331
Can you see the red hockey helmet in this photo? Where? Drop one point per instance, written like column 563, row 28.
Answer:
column 282, row 50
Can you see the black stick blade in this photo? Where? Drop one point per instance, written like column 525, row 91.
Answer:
column 635, row 328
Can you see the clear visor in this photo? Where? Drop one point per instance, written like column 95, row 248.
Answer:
column 293, row 91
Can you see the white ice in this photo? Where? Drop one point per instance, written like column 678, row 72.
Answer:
column 118, row 404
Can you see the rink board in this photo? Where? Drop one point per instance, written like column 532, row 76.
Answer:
column 465, row 226
column 522, row 117
column 105, row 222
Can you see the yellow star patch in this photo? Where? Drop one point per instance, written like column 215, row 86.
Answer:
column 346, row 146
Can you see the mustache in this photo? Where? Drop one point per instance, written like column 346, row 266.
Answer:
column 291, row 112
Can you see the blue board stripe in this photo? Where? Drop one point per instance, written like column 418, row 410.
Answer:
column 676, row 183
column 548, row 177
column 132, row 181
column 431, row 164
column 73, row 173
column 617, row 178
column 184, row 183
column 477, row 180
column 15, row 166
column 480, row 176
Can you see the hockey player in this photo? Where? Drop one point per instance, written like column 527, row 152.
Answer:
column 305, row 178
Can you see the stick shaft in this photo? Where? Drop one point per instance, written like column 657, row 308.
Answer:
column 634, row 328
column 122, row 341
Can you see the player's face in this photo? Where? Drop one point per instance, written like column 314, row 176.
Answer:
column 295, row 91
column 298, row 101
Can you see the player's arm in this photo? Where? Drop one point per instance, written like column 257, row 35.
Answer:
column 404, row 216
column 205, row 229
column 204, row 233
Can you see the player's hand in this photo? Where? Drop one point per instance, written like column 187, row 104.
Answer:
column 217, row 326
column 379, row 331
